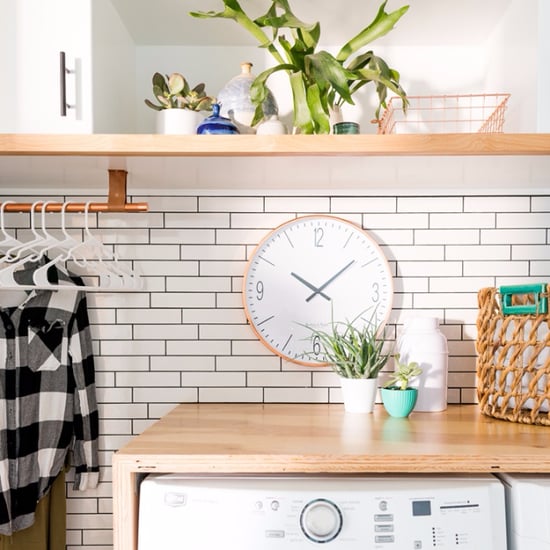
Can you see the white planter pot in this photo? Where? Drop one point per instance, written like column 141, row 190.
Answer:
column 359, row 394
column 178, row 121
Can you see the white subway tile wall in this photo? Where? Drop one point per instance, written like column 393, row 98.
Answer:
column 184, row 337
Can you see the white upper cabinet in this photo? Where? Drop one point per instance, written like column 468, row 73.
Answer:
column 89, row 32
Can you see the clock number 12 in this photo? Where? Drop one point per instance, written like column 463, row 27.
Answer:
column 318, row 234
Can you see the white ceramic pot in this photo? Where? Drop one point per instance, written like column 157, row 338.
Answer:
column 178, row 121
column 359, row 394
column 271, row 126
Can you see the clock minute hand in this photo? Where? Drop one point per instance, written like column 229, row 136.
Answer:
column 324, row 285
column 309, row 285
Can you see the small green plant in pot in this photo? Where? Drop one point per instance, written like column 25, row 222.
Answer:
column 356, row 353
column 179, row 106
column 398, row 397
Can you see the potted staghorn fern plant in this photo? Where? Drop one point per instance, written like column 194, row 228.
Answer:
column 320, row 81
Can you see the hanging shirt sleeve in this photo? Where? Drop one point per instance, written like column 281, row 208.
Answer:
column 85, row 456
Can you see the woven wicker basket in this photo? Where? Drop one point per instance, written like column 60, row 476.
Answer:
column 513, row 364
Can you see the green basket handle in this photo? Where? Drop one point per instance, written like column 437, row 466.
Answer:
column 540, row 299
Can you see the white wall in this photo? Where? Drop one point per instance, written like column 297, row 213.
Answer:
column 543, row 66
column 512, row 63
column 114, row 71
column 184, row 338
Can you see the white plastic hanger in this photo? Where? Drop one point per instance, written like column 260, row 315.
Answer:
column 8, row 240
column 96, row 259
column 19, row 259
column 90, row 254
column 40, row 276
column 40, row 241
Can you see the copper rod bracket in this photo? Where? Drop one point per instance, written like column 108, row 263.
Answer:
column 117, row 188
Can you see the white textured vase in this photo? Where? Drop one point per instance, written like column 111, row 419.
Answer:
column 178, row 121
column 359, row 394
column 423, row 342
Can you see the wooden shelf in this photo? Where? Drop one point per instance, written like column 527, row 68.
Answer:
column 291, row 145
column 313, row 439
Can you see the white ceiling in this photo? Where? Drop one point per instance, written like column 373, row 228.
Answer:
column 428, row 22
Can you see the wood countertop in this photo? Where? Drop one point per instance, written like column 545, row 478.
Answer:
column 306, row 438
column 317, row 439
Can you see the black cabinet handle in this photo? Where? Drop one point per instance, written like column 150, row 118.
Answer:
column 63, row 72
column 62, row 84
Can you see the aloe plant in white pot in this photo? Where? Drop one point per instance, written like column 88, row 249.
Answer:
column 356, row 353
column 179, row 106
column 320, row 81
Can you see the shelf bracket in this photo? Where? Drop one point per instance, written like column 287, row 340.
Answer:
column 116, row 201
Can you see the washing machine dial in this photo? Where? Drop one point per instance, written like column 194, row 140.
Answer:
column 321, row 520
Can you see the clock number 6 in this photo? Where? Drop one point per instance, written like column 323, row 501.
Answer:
column 259, row 290
column 318, row 235
column 316, row 345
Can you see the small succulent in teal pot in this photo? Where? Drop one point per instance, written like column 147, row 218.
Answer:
column 398, row 397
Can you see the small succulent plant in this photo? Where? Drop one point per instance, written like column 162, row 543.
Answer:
column 173, row 92
column 403, row 374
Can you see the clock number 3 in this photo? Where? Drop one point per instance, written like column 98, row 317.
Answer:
column 318, row 234
column 376, row 291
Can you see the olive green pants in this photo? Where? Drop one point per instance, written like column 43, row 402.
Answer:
column 48, row 530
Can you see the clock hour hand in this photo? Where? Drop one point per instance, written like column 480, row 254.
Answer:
column 310, row 286
column 324, row 285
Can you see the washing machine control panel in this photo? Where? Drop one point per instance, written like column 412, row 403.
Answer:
column 363, row 513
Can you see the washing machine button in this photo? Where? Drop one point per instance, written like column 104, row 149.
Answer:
column 321, row 520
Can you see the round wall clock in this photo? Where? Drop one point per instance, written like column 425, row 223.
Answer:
column 307, row 272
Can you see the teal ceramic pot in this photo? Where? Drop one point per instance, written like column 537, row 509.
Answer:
column 399, row 403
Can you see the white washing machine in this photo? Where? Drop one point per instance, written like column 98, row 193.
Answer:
column 339, row 513
column 527, row 511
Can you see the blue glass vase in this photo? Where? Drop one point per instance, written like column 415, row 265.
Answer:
column 216, row 124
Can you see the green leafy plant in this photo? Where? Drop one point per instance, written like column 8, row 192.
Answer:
column 173, row 92
column 319, row 80
column 351, row 351
column 403, row 374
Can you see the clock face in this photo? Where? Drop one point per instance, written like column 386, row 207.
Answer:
column 310, row 271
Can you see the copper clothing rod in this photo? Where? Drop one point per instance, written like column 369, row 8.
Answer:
column 77, row 207
column 116, row 201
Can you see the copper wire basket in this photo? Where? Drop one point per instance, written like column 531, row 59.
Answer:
column 445, row 114
column 513, row 357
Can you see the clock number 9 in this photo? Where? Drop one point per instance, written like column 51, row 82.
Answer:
column 316, row 345
column 259, row 290
column 318, row 235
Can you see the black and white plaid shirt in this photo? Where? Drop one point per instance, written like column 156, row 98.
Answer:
column 47, row 399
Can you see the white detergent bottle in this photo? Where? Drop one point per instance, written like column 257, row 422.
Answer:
column 423, row 342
